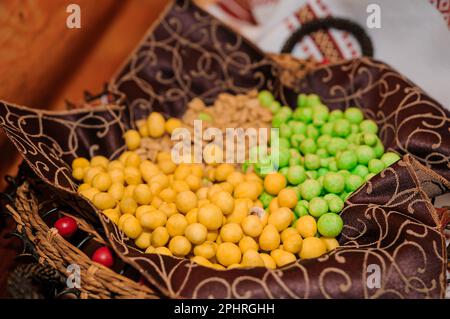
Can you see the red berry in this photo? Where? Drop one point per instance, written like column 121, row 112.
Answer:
column 66, row 226
column 103, row 256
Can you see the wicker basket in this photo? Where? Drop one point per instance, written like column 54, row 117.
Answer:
column 54, row 251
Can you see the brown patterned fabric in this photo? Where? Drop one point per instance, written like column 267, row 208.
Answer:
column 389, row 222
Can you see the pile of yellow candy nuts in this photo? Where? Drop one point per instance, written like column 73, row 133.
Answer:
column 208, row 213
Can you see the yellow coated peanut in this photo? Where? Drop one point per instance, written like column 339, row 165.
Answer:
column 116, row 164
column 251, row 176
column 112, row 214
column 163, row 251
column 228, row 254
column 160, row 237
column 306, row 226
column 331, row 243
column 231, row 233
column 99, row 161
column 144, row 209
column 282, row 257
column 281, row 218
column 293, row 243
column 90, row 193
column 209, row 173
column 142, row 194
column 241, row 210
column 258, row 203
column 287, row 198
column 148, row 170
column 212, row 235
column 153, row 219
column 167, row 166
column 80, row 162
column 251, row 258
column 132, row 139
column 180, row 246
column 156, row 202
column 268, row 261
column 194, row 182
column 213, row 190
column 252, row 226
column 196, row 233
column 224, row 201
column 197, row 170
column 218, row 267
column 128, row 206
column 91, row 172
column 172, row 124
column 186, row 201
column 129, row 191
column 312, row 247
column 274, row 183
column 156, row 124
column 206, row 249
column 83, row 187
column 78, row 173
column 168, row 208
column 211, row 216
column 201, row 261
column 103, row 201
column 288, row 232
column 133, row 160
column 248, row 189
column 144, row 240
column 235, row 178
column 131, row 227
column 117, row 175
column 180, row 186
column 191, row 216
column 163, row 156
column 247, row 243
column 202, row 193
column 227, row 187
column 132, row 175
column 160, row 178
column 182, row 171
column 122, row 219
column 203, row 202
column 176, row 225
column 223, row 171
column 102, row 181
column 156, row 188
column 273, row 205
column 123, row 157
column 168, row 195
column 270, row 238
column 143, row 130
column 116, row 191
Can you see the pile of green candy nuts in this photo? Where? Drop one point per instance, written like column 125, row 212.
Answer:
column 324, row 155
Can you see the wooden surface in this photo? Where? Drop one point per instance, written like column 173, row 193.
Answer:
column 43, row 63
